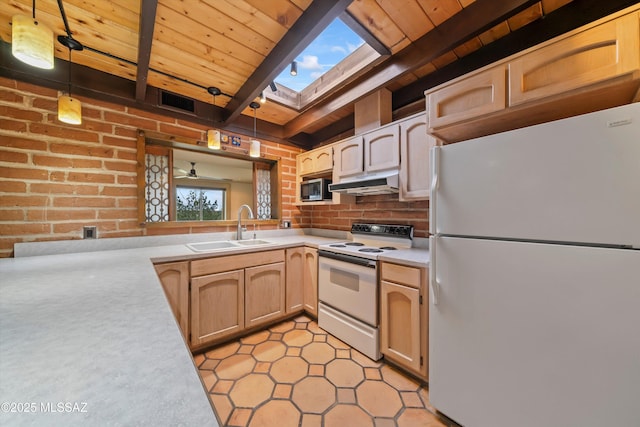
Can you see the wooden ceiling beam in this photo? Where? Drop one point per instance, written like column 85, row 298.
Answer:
column 145, row 39
column 364, row 33
column 310, row 24
column 461, row 27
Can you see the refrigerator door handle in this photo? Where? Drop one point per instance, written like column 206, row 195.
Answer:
column 434, row 287
column 434, row 159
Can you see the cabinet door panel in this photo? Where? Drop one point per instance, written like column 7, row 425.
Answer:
column 475, row 96
column 175, row 282
column 295, row 279
column 593, row 56
column 323, row 159
column 311, row 281
column 415, row 144
column 264, row 293
column 348, row 156
column 217, row 306
column 382, row 149
column 400, row 324
column 305, row 164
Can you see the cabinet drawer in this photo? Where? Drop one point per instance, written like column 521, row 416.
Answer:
column 596, row 55
column 233, row 262
column 409, row 276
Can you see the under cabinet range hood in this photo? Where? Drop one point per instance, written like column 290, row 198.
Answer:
column 367, row 185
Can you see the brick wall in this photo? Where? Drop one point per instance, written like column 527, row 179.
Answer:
column 56, row 178
column 382, row 209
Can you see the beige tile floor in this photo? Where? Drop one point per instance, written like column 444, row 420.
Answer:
column 295, row 374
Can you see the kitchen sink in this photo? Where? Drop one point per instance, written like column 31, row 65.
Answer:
column 251, row 242
column 225, row 244
column 211, row 246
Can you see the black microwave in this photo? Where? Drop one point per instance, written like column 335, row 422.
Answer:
column 315, row 190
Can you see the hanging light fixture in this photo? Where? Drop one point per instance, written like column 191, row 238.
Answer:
column 32, row 41
column 69, row 109
column 294, row 68
column 273, row 87
column 263, row 98
column 213, row 135
column 254, row 145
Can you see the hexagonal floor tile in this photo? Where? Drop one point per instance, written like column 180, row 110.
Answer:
column 289, row 370
column 276, row 412
column 256, row 338
column 378, row 398
column 347, row 415
column 269, row 351
column 397, row 380
column 314, row 395
column 224, row 351
column 318, row 353
column 234, row 367
column 251, row 390
column 344, row 373
column 283, row 327
column 297, row 338
column 412, row 417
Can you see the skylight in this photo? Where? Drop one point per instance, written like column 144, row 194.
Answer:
column 335, row 43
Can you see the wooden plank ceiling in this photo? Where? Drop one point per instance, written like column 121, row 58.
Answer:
column 239, row 46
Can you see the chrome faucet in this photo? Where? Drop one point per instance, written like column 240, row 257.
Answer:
column 240, row 229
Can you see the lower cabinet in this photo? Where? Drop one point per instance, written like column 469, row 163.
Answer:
column 264, row 294
column 217, row 306
column 219, row 297
column 310, row 274
column 404, row 317
column 174, row 277
column 295, row 279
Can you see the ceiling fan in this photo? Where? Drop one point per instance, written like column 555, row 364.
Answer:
column 192, row 174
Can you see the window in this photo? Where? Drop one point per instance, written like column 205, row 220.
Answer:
column 200, row 204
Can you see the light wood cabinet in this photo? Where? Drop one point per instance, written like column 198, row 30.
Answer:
column 473, row 97
column 606, row 52
column 174, row 277
column 315, row 161
column 295, row 279
column 415, row 144
column 310, row 273
column 382, row 149
column 404, row 317
column 264, row 294
column 217, row 306
column 348, row 157
column 591, row 68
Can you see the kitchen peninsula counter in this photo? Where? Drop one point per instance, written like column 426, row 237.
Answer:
column 89, row 338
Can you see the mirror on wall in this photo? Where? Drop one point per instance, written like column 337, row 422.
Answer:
column 187, row 183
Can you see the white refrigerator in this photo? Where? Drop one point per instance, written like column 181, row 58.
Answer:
column 535, row 275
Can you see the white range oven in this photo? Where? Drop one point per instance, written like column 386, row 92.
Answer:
column 348, row 283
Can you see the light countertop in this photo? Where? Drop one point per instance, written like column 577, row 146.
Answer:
column 89, row 338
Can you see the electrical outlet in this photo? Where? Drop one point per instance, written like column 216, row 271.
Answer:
column 89, row 232
column 286, row 224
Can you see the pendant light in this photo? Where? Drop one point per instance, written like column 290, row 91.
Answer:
column 254, row 145
column 70, row 109
column 213, row 135
column 32, row 41
column 294, row 68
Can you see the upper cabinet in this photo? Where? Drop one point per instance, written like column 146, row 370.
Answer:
column 315, row 161
column 591, row 68
column 382, row 149
column 475, row 96
column 415, row 144
column 603, row 53
column 348, row 158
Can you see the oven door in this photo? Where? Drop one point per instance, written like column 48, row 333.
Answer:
column 349, row 284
